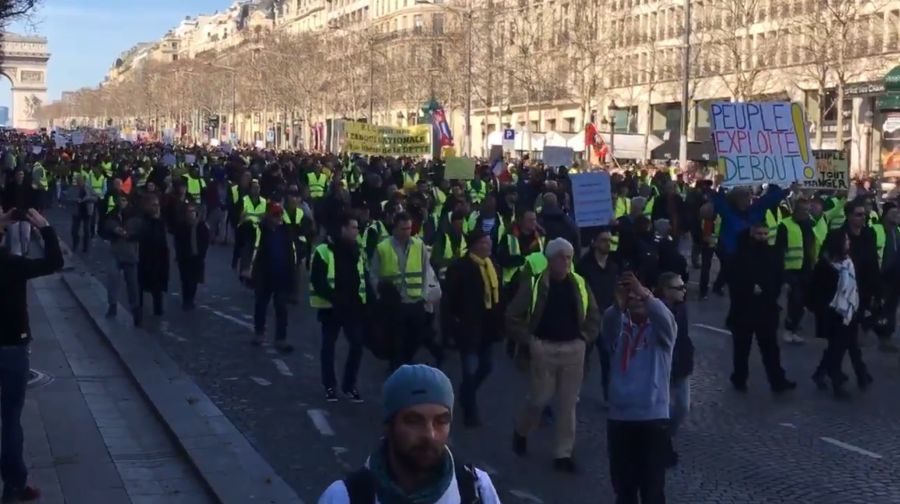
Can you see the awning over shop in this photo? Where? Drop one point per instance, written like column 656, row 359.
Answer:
column 890, row 100
column 696, row 151
column 627, row 145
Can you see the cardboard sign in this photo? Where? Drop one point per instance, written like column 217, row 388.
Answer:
column 832, row 170
column 459, row 168
column 762, row 143
column 554, row 157
column 592, row 196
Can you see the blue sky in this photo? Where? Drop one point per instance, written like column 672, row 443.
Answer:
column 86, row 36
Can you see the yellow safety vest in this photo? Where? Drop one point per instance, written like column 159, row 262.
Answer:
column 820, row 229
column 316, row 184
column 582, row 290
column 470, row 223
column 623, row 206
column 389, row 267
column 449, row 253
column 410, row 179
column 793, row 254
column 613, row 242
column 648, row 208
column 478, row 194
column 375, row 227
column 39, row 177
column 298, row 218
column 880, row 241
column 772, row 221
column 324, row 251
column 97, row 182
column 835, row 216
column 194, row 187
column 254, row 213
column 512, row 242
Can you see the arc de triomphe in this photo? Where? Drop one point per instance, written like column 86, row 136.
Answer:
column 23, row 60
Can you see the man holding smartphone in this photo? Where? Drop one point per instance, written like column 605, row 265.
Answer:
column 15, row 335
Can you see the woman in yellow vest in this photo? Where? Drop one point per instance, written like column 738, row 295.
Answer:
column 797, row 241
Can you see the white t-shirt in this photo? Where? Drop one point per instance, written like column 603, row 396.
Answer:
column 336, row 493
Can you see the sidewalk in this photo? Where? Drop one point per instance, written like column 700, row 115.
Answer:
column 90, row 436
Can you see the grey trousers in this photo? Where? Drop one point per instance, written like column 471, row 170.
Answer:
column 114, row 276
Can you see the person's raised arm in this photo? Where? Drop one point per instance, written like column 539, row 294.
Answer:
column 28, row 268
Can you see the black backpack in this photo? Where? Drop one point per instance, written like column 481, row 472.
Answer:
column 361, row 485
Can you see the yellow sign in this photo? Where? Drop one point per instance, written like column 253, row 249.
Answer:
column 459, row 168
column 368, row 139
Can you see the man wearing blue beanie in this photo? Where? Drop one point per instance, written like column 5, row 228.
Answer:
column 413, row 465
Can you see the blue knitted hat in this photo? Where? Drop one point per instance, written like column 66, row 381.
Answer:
column 412, row 385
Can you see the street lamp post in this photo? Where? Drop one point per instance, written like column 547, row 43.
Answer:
column 611, row 121
column 685, row 76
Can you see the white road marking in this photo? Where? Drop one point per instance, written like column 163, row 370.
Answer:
column 164, row 328
column 339, row 452
column 231, row 378
column 320, row 420
column 309, row 356
column 229, row 317
column 850, row 447
column 246, row 316
column 270, row 350
column 713, row 329
column 261, row 381
column 282, row 367
column 525, row 496
column 788, row 425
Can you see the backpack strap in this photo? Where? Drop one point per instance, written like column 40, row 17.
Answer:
column 467, row 484
column 360, row 486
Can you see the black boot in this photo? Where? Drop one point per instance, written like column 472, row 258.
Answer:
column 112, row 311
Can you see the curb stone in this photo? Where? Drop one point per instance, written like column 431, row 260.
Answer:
column 224, row 458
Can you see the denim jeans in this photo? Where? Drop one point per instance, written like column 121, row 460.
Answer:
column 115, row 274
column 13, row 379
column 279, row 298
column 476, row 366
column 679, row 402
column 332, row 322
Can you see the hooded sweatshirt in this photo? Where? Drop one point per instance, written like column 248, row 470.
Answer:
column 640, row 362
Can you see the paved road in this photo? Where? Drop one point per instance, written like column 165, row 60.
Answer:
column 735, row 448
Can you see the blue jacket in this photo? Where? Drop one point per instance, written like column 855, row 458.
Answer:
column 733, row 221
column 640, row 362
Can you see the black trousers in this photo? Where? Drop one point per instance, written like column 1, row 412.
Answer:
column 842, row 340
column 706, row 255
column 157, row 300
column 798, row 283
column 637, row 460
column 81, row 227
column 722, row 277
column 764, row 326
column 332, row 322
column 279, row 297
column 189, row 283
column 406, row 326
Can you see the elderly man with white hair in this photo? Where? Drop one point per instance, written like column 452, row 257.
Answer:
column 554, row 317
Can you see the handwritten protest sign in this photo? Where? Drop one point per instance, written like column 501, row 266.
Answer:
column 554, row 157
column 593, row 199
column 832, row 171
column 369, row 139
column 459, row 168
column 762, row 142
column 78, row 138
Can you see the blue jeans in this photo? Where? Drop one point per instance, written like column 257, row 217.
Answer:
column 13, row 379
column 476, row 366
column 679, row 402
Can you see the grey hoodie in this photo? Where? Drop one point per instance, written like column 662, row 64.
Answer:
column 123, row 249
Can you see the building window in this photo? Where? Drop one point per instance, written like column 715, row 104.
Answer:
column 417, row 23
column 551, row 124
column 437, row 23
column 570, row 125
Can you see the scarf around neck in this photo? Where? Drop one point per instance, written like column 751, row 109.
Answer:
column 489, row 279
column 846, row 296
column 389, row 492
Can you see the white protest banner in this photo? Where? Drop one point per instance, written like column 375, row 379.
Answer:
column 169, row 136
column 169, row 160
column 190, row 159
column 214, row 142
column 593, row 199
column 37, row 149
column 78, row 138
column 260, row 144
column 832, row 169
column 554, row 157
column 762, row 143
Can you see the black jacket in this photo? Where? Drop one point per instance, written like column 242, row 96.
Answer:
column 602, row 281
column 754, row 281
column 344, row 296
column 15, row 271
column 557, row 224
column 683, row 353
column 469, row 323
column 865, row 261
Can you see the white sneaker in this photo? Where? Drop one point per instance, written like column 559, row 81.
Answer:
column 798, row 340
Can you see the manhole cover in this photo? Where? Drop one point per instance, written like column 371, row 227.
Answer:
column 37, row 378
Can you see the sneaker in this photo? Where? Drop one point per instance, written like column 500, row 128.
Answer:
column 739, row 385
column 791, row 337
column 26, row 494
column 138, row 318
column 520, row 444
column 864, row 382
column 784, row 385
column 565, row 464
column 330, row 395
column 820, row 381
column 354, row 396
column 112, row 311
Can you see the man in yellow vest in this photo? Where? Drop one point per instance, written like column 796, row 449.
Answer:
column 253, row 208
column 338, row 283
column 97, row 181
column 195, row 185
column 890, row 273
column 796, row 242
column 317, row 181
column 515, row 248
column 398, row 269
column 302, row 231
column 271, row 275
column 39, row 184
column 555, row 317
column 450, row 244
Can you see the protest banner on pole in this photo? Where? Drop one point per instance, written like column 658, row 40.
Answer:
column 762, row 142
column 554, row 157
column 459, row 168
column 372, row 140
column 832, row 171
column 592, row 196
